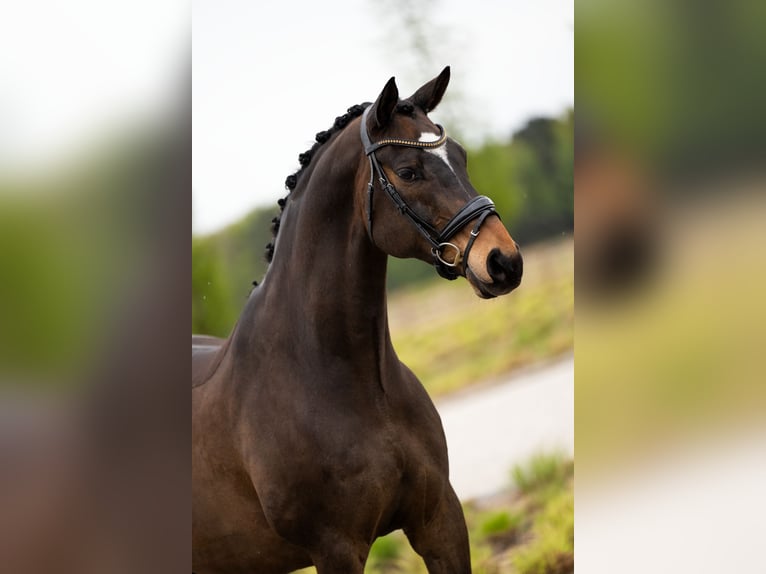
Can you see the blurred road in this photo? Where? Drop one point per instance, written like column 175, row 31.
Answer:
column 491, row 429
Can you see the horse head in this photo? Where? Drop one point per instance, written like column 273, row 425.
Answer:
column 432, row 211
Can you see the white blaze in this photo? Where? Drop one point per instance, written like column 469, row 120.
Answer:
column 440, row 152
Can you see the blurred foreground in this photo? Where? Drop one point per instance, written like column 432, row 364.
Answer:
column 670, row 275
column 670, row 397
column 94, row 404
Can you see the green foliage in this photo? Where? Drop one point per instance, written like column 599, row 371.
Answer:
column 546, row 483
column 224, row 266
column 211, row 309
column 500, row 522
column 530, row 178
column 552, row 548
column 542, row 472
column 385, row 548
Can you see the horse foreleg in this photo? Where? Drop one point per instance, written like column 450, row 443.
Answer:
column 443, row 541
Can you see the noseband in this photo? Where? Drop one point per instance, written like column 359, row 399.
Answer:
column 447, row 256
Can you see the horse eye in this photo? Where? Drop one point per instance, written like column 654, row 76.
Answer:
column 406, row 174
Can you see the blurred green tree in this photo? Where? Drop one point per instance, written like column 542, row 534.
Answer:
column 530, row 178
column 211, row 308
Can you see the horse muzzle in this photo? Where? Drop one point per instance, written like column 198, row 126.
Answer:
column 504, row 271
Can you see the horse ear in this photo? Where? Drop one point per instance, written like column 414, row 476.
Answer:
column 429, row 95
column 386, row 102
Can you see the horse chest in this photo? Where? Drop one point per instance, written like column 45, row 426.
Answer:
column 343, row 454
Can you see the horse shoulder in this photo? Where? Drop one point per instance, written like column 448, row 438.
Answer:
column 425, row 478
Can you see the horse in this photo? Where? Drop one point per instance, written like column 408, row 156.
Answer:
column 310, row 437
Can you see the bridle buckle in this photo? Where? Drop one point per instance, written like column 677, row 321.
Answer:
column 439, row 251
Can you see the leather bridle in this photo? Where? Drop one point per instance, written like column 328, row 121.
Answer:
column 479, row 207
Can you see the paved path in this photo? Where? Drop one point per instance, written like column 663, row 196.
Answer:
column 491, row 429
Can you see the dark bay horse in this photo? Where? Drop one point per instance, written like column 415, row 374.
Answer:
column 310, row 437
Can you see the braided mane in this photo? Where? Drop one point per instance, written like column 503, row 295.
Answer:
column 305, row 159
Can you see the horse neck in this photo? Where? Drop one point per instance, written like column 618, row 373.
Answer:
column 325, row 286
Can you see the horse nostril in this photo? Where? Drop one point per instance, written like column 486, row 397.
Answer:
column 504, row 268
column 495, row 266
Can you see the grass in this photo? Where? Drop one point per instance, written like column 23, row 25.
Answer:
column 546, row 483
column 541, row 473
column 450, row 338
column 551, row 550
column 500, row 523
